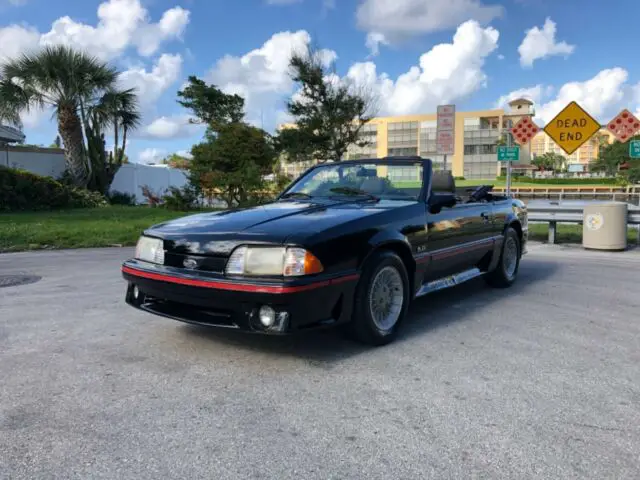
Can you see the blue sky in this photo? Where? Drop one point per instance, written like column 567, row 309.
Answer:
column 413, row 54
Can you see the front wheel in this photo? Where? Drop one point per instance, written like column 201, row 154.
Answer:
column 381, row 299
column 506, row 271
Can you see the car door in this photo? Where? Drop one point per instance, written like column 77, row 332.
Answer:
column 458, row 238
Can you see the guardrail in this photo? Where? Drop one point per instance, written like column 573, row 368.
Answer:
column 616, row 196
column 558, row 212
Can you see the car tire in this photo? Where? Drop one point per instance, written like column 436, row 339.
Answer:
column 506, row 272
column 383, row 275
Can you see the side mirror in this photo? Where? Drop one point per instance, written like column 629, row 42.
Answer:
column 438, row 201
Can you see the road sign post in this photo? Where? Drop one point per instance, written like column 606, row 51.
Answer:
column 522, row 132
column 624, row 125
column 508, row 154
column 509, row 167
column 634, row 148
column 445, row 131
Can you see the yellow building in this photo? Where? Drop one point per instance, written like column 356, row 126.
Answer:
column 578, row 160
column 477, row 135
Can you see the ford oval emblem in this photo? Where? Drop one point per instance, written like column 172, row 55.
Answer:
column 190, row 263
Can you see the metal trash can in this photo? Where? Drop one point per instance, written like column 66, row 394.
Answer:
column 604, row 226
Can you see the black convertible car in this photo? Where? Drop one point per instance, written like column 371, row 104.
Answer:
column 350, row 243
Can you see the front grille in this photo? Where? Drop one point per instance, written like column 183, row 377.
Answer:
column 188, row 313
column 205, row 263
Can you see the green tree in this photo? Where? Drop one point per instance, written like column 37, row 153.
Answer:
column 328, row 113
column 210, row 105
column 234, row 163
column 549, row 161
column 65, row 79
column 177, row 161
column 57, row 143
column 612, row 156
column 633, row 174
column 116, row 110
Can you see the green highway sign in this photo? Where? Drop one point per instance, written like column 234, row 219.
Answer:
column 508, row 154
column 634, row 148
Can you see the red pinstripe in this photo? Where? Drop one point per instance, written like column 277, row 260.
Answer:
column 238, row 287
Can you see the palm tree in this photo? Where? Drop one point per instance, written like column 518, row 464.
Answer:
column 62, row 78
column 117, row 109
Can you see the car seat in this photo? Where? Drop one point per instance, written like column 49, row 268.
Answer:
column 373, row 185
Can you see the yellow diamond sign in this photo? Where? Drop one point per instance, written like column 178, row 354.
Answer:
column 572, row 127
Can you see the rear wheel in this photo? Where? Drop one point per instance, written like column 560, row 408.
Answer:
column 381, row 299
column 506, row 272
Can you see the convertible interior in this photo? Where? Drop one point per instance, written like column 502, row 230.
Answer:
column 444, row 190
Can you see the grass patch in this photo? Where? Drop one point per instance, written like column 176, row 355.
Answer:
column 79, row 228
column 120, row 225
column 567, row 233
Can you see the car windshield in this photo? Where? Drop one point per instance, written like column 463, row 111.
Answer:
column 380, row 180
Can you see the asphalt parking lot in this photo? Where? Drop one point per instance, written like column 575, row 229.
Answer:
column 539, row 381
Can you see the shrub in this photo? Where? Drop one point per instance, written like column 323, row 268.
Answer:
column 81, row 198
column 153, row 198
column 122, row 198
column 22, row 190
column 181, row 199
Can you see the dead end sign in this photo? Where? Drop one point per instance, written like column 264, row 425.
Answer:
column 572, row 127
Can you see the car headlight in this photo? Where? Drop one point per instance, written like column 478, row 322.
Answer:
column 150, row 250
column 286, row 261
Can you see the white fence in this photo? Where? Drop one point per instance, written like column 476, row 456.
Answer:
column 132, row 176
column 48, row 162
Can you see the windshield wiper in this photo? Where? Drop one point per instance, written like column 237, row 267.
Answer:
column 296, row 194
column 353, row 191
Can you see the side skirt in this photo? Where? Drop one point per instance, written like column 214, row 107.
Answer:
column 449, row 281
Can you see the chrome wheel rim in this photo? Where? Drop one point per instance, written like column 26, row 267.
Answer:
column 510, row 257
column 386, row 298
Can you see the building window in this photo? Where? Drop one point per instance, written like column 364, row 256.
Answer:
column 489, row 149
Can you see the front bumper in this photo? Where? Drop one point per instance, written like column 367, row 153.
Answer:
column 207, row 299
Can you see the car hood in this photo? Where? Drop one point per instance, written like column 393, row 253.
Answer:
column 220, row 232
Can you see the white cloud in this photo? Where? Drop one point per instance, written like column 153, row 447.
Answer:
column 121, row 24
column 500, row 57
column 171, row 127
column 602, row 96
column 16, row 39
column 446, row 73
column 536, row 94
column 151, row 155
column 185, row 154
column 152, row 84
column 172, row 25
column 636, row 99
column 374, row 40
column 398, row 19
column 262, row 76
column 541, row 43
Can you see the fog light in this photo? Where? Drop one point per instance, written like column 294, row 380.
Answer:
column 136, row 292
column 267, row 316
